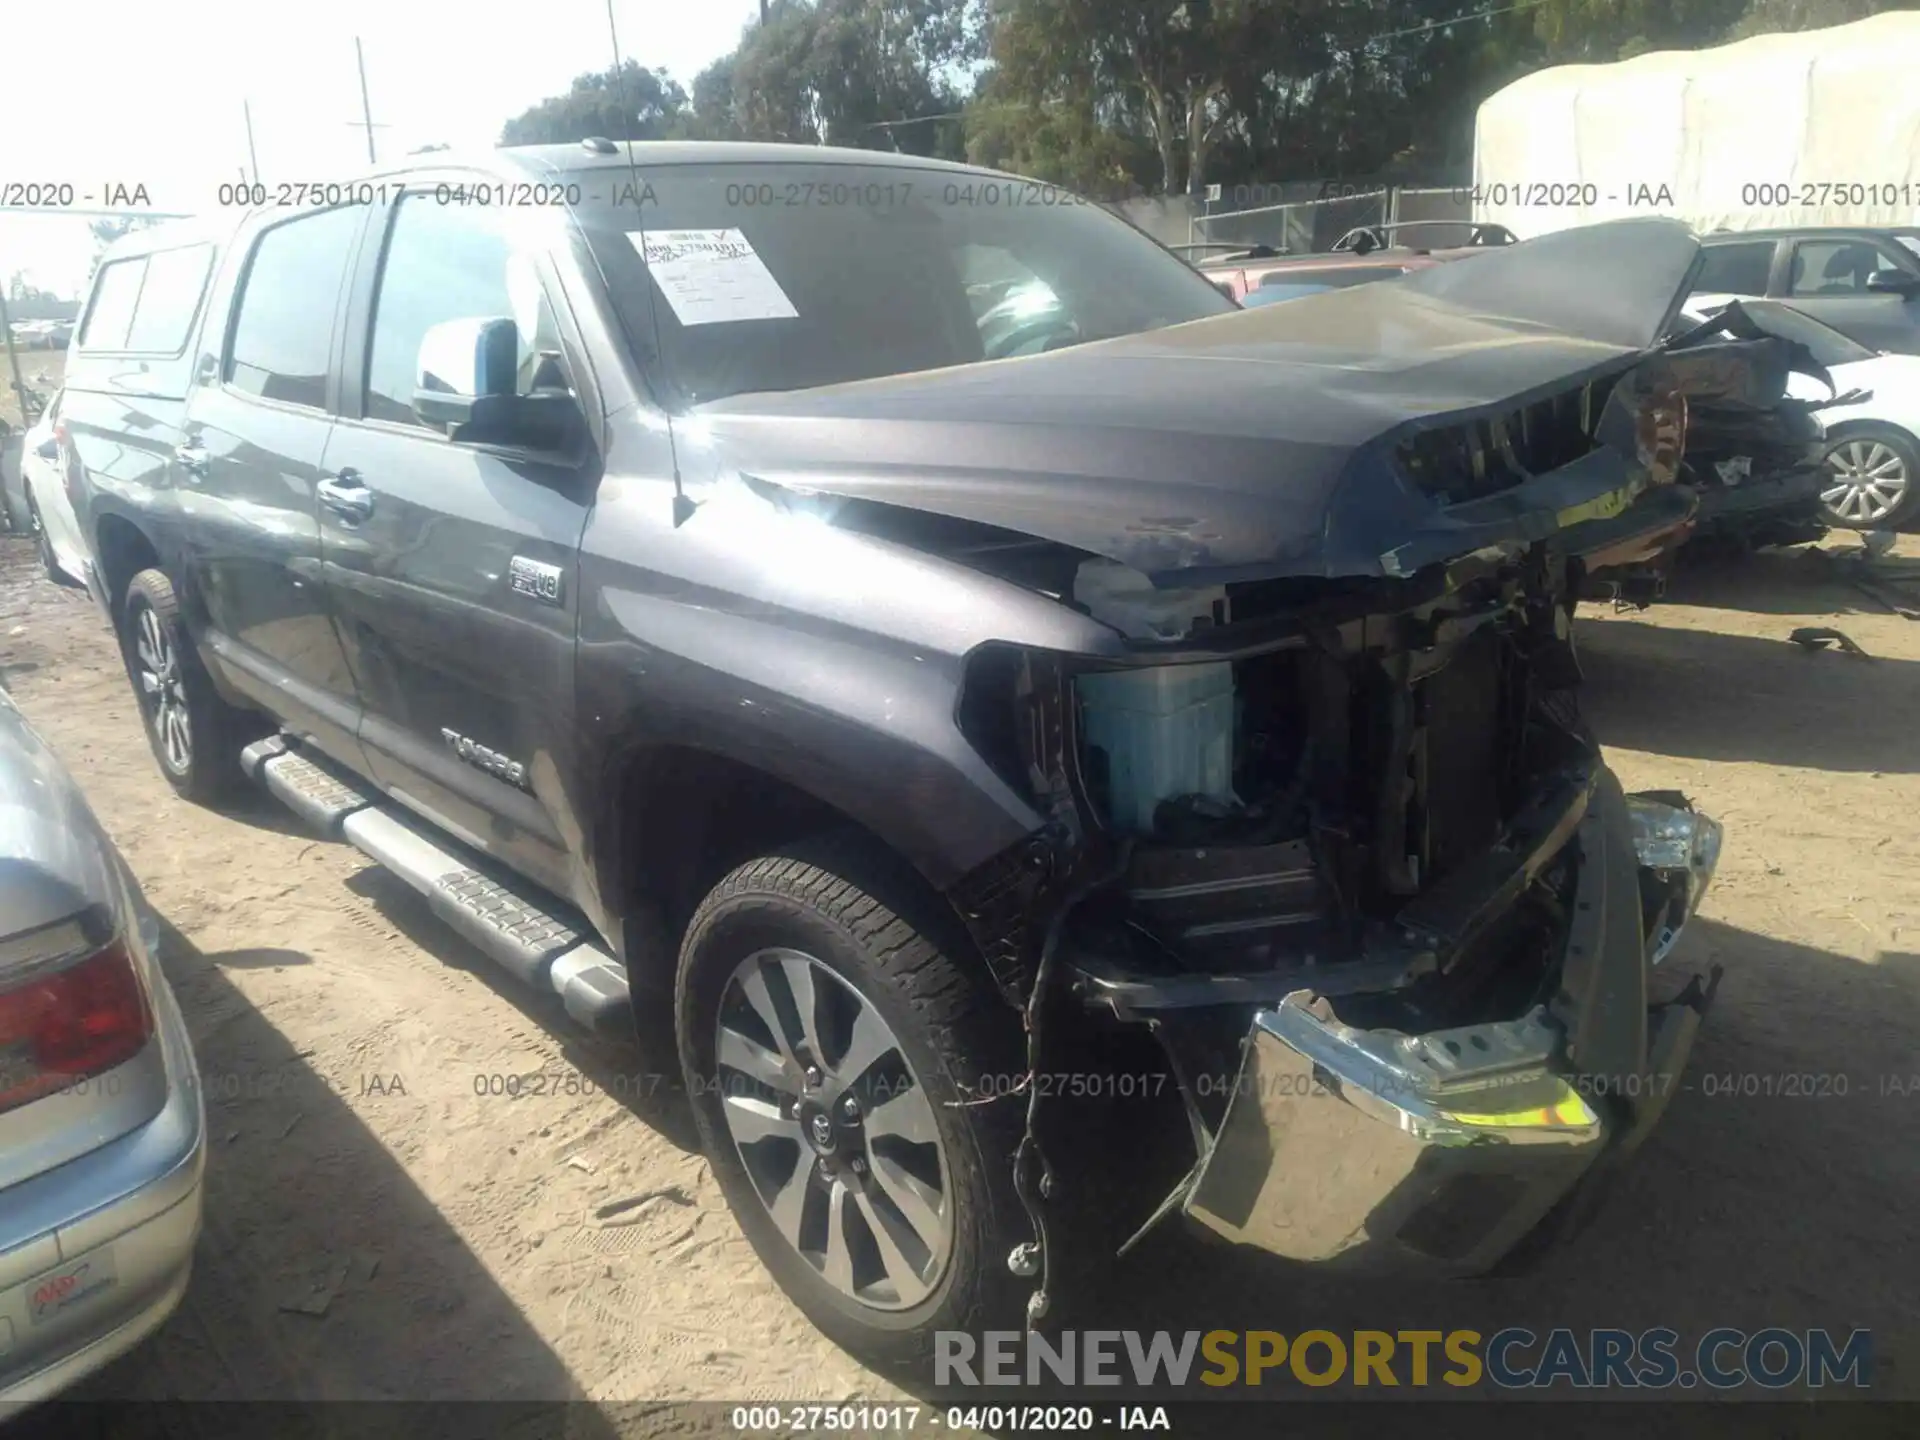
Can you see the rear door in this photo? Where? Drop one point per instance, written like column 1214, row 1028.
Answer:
column 1828, row 278
column 247, row 470
column 452, row 566
column 126, row 382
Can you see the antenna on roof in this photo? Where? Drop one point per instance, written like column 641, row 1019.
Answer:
column 599, row 145
column 683, row 508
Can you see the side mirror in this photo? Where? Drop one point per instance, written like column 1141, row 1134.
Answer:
column 48, row 450
column 1893, row 282
column 467, row 383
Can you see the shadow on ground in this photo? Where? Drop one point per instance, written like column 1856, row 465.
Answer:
column 322, row 1272
column 1794, row 581
column 1706, row 695
column 645, row 1079
column 1778, row 1191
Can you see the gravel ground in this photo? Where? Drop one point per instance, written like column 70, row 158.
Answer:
column 384, row 1221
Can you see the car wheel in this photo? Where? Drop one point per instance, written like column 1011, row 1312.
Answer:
column 1871, row 478
column 832, row 1027
column 196, row 736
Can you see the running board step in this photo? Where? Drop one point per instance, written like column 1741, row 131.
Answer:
column 537, row 947
column 313, row 788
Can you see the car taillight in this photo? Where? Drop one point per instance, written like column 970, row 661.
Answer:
column 62, row 1025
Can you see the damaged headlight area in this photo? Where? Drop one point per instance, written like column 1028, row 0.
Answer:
column 1348, row 847
column 1679, row 848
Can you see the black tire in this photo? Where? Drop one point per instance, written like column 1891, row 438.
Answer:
column 862, row 915
column 1862, row 439
column 215, row 731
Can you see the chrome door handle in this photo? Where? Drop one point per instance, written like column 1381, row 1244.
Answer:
column 346, row 496
column 192, row 459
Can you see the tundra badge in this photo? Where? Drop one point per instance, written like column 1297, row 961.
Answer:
column 481, row 758
column 535, row 579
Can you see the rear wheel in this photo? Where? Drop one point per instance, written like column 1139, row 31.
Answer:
column 831, row 1033
column 1871, row 478
column 195, row 735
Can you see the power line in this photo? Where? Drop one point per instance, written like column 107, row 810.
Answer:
column 1456, row 20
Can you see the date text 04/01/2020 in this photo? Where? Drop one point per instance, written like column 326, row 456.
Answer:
column 811, row 1418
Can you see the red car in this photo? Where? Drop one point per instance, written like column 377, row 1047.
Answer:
column 1370, row 252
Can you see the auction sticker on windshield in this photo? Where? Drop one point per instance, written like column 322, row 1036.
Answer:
column 711, row 276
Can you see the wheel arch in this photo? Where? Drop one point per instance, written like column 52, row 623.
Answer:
column 1853, row 425
column 674, row 819
column 124, row 550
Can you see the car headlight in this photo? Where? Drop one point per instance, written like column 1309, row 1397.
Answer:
column 1674, row 841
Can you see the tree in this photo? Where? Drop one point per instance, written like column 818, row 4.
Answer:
column 1772, row 17
column 1166, row 71
column 22, row 290
column 878, row 74
column 630, row 103
column 1597, row 31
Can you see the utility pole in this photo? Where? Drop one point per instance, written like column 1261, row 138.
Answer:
column 246, row 109
column 366, row 110
column 13, row 360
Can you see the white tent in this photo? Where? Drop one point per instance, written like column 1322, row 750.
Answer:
column 1817, row 128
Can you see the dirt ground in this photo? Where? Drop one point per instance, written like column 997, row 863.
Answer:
column 384, row 1220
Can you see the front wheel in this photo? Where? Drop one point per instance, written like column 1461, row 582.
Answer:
column 1870, row 478
column 196, row 736
column 833, row 1033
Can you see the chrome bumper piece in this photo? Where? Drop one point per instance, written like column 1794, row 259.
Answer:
column 1439, row 1152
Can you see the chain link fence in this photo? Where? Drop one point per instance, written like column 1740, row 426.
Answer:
column 1309, row 226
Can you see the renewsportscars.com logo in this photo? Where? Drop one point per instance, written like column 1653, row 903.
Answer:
column 1510, row 1359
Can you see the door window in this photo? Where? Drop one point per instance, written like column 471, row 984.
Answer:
column 446, row 263
column 169, row 299
column 283, row 333
column 1738, row 269
column 1837, row 267
column 114, row 293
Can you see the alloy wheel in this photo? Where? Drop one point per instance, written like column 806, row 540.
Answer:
column 162, row 690
column 834, row 1129
column 1866, row 481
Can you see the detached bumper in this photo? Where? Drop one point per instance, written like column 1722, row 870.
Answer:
column 1440, row 1152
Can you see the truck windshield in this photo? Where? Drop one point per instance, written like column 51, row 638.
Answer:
column 786, row 276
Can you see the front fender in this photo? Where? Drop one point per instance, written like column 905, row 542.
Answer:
column 867, row 730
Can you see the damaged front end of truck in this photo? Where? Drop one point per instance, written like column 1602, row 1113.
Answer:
column 1342, row 841
column 1318, row 809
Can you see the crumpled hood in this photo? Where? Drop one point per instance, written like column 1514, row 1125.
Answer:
column 1247, row 444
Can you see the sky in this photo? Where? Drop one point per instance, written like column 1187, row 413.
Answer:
column 166, row 86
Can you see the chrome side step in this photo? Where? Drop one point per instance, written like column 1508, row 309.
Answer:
column 494, row 915
column 307, row 783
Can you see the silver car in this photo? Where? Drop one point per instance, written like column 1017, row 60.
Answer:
column 102, row 1123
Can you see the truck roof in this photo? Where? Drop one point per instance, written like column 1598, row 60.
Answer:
column 1781, row 232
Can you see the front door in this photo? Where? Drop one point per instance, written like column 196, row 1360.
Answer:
column 1828, row 279
column 452, row 566
column 246, row 473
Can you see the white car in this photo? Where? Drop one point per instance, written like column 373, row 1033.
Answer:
column 1873, row 447
column 50, row 516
